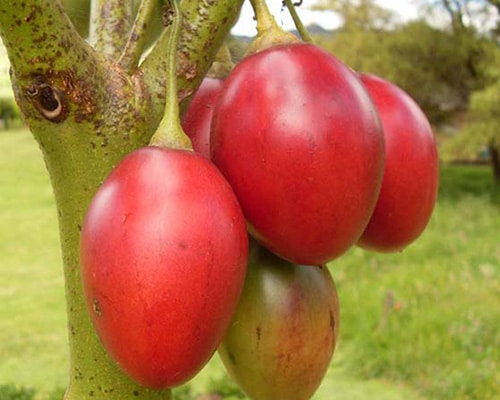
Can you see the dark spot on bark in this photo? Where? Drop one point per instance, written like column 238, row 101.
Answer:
column 78, row 374
column 91, row 393
column 42, row 39
column 136, row 393
column 47, row 99
column 105, row 142
column 167, row 15
column 258, row 333
column 29, row 18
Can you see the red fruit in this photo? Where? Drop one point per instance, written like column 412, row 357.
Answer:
column 196, row 121
column 163, row 252
column 411, row 175
column 299, row 140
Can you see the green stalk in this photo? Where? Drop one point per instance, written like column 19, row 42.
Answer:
column 265, row 20
column 269, row 33
column 169, row 132
column 304, row 33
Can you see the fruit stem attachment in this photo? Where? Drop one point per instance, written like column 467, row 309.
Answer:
column 304, row 33
column 265, row 20
column 269, row 33
column 169, row 132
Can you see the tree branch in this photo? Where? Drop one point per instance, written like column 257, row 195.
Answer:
column 55, row 73
column 134, row 47
column 110, row 24
column 454, row 9
column 26, row 41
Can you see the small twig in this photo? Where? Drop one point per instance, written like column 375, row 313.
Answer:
column 134, row 47
column 304, row 33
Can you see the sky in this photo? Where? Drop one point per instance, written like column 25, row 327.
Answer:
column 328, row 20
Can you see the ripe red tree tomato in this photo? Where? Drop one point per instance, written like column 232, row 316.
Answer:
column 196, row 120
column 299, row 140
column 163, row 252
column 410, row 183
column 284, row 331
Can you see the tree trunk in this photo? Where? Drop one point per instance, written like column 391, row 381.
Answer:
column 87, row 112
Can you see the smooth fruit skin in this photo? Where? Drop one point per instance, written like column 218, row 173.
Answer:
column 411, row 175
column 164, row 252
column 299, row 140
column 283, row 335
column 198, row 116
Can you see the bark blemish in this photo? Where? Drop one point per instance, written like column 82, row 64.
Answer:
column 48, row 100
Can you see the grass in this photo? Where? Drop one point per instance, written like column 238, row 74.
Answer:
column 428, row 317
column 422, row 324
column 32, row 314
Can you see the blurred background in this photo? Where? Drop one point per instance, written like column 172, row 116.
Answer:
column 421, row 324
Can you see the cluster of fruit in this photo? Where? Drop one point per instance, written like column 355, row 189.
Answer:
column 321, row 158
column 308, row 156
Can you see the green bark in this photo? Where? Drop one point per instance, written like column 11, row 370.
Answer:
column 86, row 113
column 110, row 22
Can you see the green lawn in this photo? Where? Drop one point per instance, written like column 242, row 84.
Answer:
column 423, row 324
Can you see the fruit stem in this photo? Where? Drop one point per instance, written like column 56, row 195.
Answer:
column 265, row 20
column 169, row 132
column 269, row 33
column 304, row 33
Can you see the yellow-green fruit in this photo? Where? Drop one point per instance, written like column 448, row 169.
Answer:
column 283, row 335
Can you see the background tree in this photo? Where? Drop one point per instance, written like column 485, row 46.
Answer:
column 479, row 14
column 482, row 127
column 438, row 68
column 88, row 106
